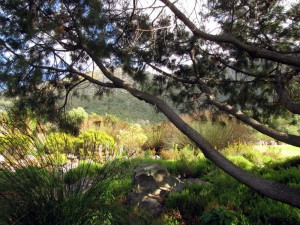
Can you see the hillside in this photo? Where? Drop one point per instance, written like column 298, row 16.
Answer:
column 120, row 104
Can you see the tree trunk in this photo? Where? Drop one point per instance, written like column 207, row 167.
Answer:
column 268, row 188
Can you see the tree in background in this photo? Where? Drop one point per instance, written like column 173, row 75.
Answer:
column 249, row 69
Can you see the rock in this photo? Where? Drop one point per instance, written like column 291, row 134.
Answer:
column 151, row 184
column 156, row 157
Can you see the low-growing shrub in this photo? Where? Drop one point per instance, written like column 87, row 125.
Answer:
column 188, row 203
column 56, row 158
column 245, row 150
column 241, row 161
column 260, row 210
column 220, row 216
column 169, row 154
column 84, row 169
column 158, row 137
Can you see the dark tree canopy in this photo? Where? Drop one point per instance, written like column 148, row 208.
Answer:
column 249, row 68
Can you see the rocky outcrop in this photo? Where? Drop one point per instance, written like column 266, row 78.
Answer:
column 151, row 185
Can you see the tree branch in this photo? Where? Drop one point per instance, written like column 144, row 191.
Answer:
column 226, row 38
column 284, row 97
column 280, row 136
column 271, row 189
column 87, row 77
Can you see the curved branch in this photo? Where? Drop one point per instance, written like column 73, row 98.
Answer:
column 284, row 97
column 226, row 38
column 68, row 92
column 280, row 136
column 271, row 189
column 87, row 77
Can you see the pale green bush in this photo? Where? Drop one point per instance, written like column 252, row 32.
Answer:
column 95, row 142
column 132, row 139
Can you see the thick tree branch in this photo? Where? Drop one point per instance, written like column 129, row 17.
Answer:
column 280, row 192
column 280, row 136
column 226, row 38
column 284, row 97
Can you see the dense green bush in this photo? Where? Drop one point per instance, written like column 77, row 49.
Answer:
column 242, row 162
column 61, row 142
column 219, row 216
column 95, row 143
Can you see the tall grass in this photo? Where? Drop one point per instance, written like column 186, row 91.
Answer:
column 34, row 188
column 220, row 133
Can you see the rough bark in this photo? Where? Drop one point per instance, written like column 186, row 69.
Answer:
column 271, row 189
column 280, row 136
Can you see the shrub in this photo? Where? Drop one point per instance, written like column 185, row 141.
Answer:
column 241, row 161
column 73, row 120
column 62, row 142
column 188, row 203
column 245, row 150
column 94, row 143
column 158, row 137
column 261, row 211
column 220, row 216
column 189, row 168
column 16, row 144
column 132, row 139
column 83, row 170
column 187, row 152
column 33, row 195
column 169, row 154
column 273, row 152
column 219, row 133
column 56, row 158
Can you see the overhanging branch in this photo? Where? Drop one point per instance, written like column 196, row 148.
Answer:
column 284, row 97
column 280, row 136
column 227, row 38
column 280, row 192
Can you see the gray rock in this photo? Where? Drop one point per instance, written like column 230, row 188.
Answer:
column 151, row 185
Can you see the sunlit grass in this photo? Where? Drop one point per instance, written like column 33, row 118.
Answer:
column 285, row 150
